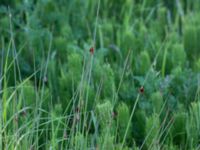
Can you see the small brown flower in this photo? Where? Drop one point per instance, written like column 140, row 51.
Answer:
column 141, row 89
column 92, row 50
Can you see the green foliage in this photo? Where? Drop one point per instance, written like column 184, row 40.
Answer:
column 48, row 12
column 106, row 122
column 197, row 65
column 178, row 129
column 128, row 40
column 88, row 96
column 4, row 21
column 104, row 76
column 80, row 142
column 127, row 95
column 61, row 46
column 106, row 33
column 162, row 22
column 104, row 114
column 58, row 109
column 65, row 89
column 74, row 66
column 152, row 129
column 56, row 124
column 139, row 122
column 143, row 63
column 190, row 40
column 52, row 74
column 157, row 102
column 178, row 55
column 123, row 116
column 193, row 125
column 170, row 147
column 70, row 78
column 106, row 142
column 56, row 94
column 191, row 36
column 187, row 82
column 109, row 88
column 28, row 94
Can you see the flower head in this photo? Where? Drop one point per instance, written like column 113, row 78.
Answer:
column 141, row 89
column 92, row 50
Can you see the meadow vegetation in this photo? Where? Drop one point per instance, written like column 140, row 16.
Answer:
column 99, row 74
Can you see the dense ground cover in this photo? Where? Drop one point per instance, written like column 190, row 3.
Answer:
column 99, row 74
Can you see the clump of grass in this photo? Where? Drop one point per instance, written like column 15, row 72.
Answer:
column 111, row 75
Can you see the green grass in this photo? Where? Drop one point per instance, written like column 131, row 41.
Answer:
column 56, row 94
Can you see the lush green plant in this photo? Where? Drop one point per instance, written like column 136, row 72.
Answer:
column 106, row 74
column 157, row 102
column 152, row 131
column 123, row 116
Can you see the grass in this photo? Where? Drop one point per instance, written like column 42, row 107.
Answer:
column 56, row 94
